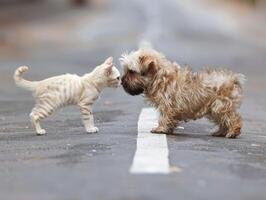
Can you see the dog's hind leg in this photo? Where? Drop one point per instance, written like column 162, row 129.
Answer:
column 221, row 132
column 234, row 125
column 223, row 113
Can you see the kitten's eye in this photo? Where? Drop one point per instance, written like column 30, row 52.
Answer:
column 118, row 78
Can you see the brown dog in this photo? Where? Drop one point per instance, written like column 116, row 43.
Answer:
column 181, row 95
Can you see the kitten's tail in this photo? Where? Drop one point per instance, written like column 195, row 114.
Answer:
column 21, row 82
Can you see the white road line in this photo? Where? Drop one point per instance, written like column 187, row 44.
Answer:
column 152, row 155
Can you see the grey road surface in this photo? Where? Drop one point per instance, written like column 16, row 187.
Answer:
column 69, row 164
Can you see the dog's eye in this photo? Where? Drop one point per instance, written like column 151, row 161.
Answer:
column 143, row 74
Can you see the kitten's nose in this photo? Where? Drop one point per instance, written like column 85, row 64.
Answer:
column 122, row 80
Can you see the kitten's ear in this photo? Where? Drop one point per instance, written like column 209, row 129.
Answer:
column 109, row 69
column 109, row 61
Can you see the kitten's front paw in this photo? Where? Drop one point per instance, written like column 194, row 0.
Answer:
column 92, row 130
column 41, row 132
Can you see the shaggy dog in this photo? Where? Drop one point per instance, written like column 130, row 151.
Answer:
column 181, row 95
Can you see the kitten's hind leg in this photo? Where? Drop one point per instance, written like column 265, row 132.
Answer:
column 39, row 112
column 87, row 117
column 35, row 120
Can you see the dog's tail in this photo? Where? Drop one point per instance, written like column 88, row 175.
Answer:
column 237, row 91
column 240, row 80
column 21, row 82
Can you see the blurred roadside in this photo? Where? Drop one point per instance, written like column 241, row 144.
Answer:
column 249, row 16
column 49, row 32
column 27, row 24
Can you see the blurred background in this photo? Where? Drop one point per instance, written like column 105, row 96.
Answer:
column 63, row 35
column 73, row 36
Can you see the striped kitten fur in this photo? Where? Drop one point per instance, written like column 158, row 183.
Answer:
column 69, row 89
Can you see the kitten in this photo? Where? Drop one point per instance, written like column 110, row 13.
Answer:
column 69, row 89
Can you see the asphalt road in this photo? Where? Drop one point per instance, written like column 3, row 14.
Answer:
column 69, row 164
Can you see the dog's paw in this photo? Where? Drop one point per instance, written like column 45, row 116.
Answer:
column 41, row 132
column 160, row 130
column 231, row 135
column 92, row 130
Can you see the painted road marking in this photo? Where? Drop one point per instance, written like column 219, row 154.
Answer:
column 152, row 154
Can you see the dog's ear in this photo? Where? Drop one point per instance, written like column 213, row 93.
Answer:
column 150, row 66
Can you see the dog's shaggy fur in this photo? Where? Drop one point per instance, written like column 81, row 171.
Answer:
column 181, row 95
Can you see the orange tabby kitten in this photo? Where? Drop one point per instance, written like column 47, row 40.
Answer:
column 69, row 89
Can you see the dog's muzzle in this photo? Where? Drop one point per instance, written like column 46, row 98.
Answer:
column 131, row 88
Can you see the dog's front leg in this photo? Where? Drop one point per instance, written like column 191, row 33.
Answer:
column 166, row 125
